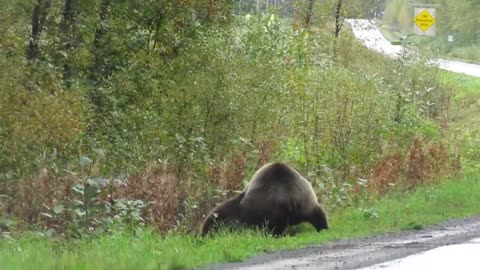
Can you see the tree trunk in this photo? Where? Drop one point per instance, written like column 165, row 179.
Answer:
column 67, row 28
column 210, row 10
column 308, row 17
column 39, row 16
column 98, row 68
column 338, row 20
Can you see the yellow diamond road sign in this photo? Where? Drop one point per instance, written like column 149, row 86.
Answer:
column 424, row 20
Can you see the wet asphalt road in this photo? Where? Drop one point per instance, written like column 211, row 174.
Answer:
column 364, row 252
column 463, row 256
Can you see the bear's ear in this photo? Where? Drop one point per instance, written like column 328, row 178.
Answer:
column 318, row 218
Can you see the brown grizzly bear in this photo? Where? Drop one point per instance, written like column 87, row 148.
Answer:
column 277, row 196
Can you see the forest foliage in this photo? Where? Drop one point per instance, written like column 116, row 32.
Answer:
column 178, row 102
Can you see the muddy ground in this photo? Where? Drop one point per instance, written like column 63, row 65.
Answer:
column 363, row 252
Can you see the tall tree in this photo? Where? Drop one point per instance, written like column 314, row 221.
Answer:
column 338, row 20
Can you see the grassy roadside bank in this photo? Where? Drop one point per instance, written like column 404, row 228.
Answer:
column 464, row 128
column 454, row 198
column 468, row 86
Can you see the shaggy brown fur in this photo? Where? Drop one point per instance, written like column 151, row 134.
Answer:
column 276, row 197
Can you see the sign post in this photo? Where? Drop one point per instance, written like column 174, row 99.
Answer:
column 424, row 21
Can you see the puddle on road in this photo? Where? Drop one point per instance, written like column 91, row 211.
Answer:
column 282, row 264
column 462, row 256
column 436, row 234
column 309, row 261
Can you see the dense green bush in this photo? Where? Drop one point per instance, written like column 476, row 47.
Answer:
column 196, row 95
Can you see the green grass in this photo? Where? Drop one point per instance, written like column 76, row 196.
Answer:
column 471, row 52
column 466, row 107
column 428, row 205
column 465, row 86
column 464, row 130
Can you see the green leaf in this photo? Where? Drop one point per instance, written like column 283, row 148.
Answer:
column 78, row 188
column 85, row 161
column 80, row 212
column 100, row 181
column 92, row 182
column 99, row 152
column 91, row 191
column 7, row 236
column 59, row 209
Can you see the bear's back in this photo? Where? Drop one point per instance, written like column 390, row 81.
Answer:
column 276, row 185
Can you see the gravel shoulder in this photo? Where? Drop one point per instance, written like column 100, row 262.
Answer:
column 363, row 252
